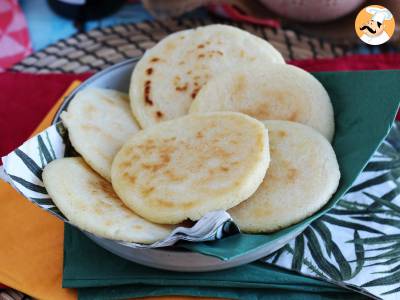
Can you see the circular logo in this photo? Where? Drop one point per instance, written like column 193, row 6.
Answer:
column 374, row 25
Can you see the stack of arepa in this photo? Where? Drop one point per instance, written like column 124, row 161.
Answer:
column 214, row 120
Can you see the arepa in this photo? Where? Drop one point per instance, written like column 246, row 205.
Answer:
column 301, row 178
column 99, row 121
column 183, row 168
column 89, row 202
column 269, row 92
column 168, row 77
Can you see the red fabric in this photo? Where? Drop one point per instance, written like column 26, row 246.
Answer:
column 352, row 62
column 231, row 12
column 25, row 98
column 24, row 101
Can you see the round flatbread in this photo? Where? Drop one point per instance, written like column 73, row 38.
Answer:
column 184, row 168
column 99, row 121
column 301, row 178
column 89, row 202
column 270, row 92
column 167, row 78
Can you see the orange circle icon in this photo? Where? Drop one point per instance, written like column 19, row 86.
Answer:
column 374, row 25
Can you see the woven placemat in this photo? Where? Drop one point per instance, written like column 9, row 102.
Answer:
column 100, row 48
column 10, row 294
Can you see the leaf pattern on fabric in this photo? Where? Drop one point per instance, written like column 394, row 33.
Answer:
column 358, row 241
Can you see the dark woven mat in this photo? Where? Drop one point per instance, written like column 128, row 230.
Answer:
column 100, row 48
column 10, row 294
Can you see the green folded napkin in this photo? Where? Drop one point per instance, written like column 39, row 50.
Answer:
column 133, row 291
column 103, row 275
column 365, row 104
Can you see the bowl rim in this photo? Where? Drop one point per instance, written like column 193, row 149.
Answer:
column 167, row 258
column 87, row 82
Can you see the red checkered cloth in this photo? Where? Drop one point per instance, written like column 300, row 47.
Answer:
column 15, row 43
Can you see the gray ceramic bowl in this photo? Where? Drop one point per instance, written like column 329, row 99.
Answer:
column 172, row 258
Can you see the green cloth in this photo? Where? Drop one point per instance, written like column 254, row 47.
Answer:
column 365, row 105
column 131, row 291
column 100, row 274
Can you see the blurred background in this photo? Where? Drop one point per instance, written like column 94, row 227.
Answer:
column 28, row 26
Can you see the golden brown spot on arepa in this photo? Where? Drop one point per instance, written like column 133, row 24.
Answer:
column 282, row 133
column 293, row 116
column 147, row 145
column 168, row 147
column 182, row 88
column 195, row 92
column 217, row 52
column 224, row 169
column 240, row 87
column 260, row 112
column 103, row 186
column 147, row 91
column 165, row 203
column 170, row 46
column 260, row 140
column 173, row 176
column 149, row 71
column 179, row 86
column 171, row 139
column 164, row 160
column 188, row 205
column 262, row 212
column 129, row 177
column 147, row 191
column 125, row 164
column 291, row 174
column 152, row 167
column 220, row 152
